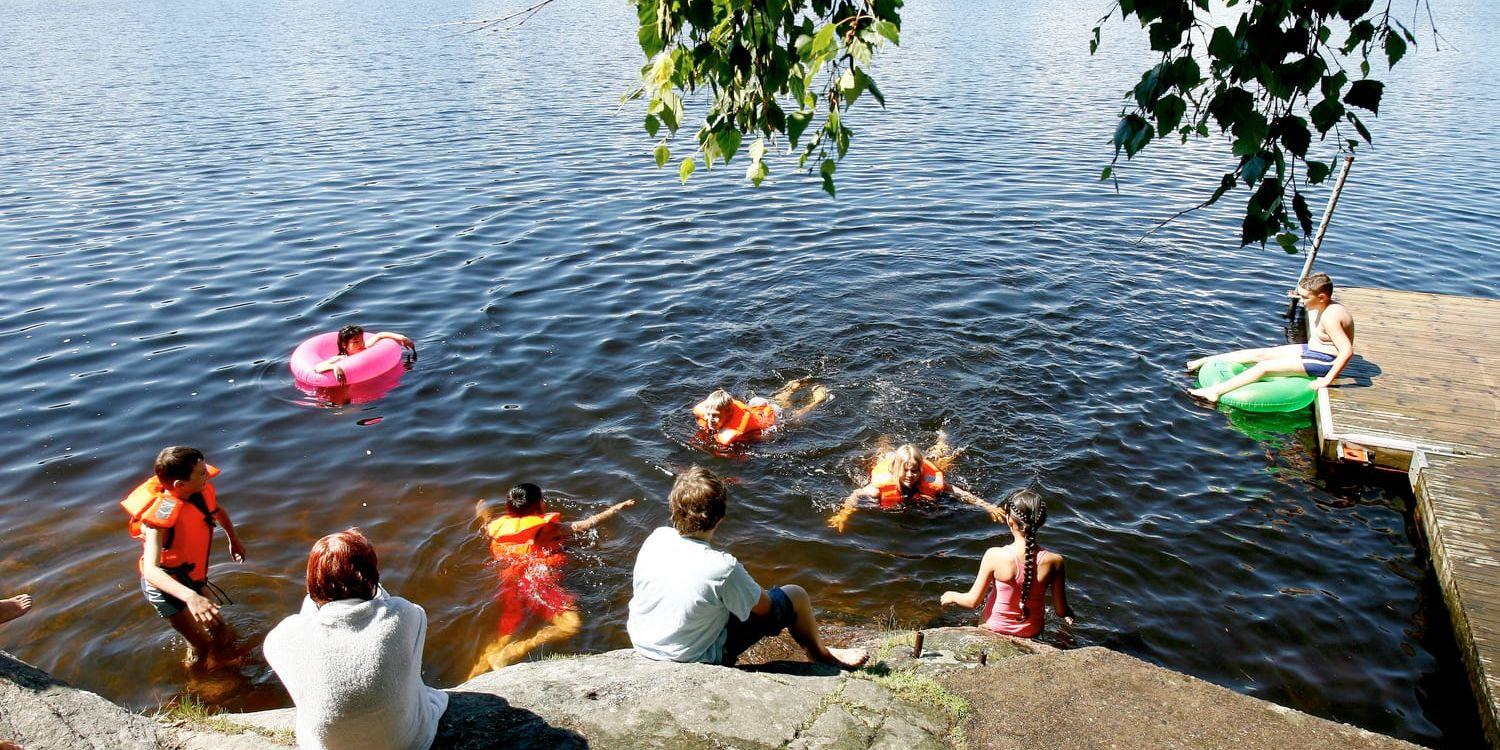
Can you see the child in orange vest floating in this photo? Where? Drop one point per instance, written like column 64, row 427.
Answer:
column 728, row 420
column 906, row 475
column 174, row 514
column 526, row 543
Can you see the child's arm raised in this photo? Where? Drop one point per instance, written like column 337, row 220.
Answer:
column 971, row 598
column 996, row 512
column 578, row 527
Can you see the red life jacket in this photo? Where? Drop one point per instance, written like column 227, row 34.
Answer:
column 187, row 526
column 524, row 536
column 742, row 419
column 884, row 477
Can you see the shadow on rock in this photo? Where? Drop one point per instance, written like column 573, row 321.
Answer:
column 480, row 721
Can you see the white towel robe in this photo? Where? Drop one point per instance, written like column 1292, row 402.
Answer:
column 354, row 669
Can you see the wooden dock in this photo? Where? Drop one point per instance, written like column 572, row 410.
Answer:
column 1423, row 396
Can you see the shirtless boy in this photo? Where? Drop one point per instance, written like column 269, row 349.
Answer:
column 1330, row 345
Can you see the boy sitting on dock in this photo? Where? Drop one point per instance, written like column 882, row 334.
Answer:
column 693, row 603
column 728, row 420
column 1330, row 345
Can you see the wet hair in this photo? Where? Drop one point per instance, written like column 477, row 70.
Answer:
column 524, row 499
column 1030, row 513
column 698, row 501
column 342, row 566
column 906, row 455
column 718, row 401
column 349, row 333
column 1317, row 283
column 175, row 464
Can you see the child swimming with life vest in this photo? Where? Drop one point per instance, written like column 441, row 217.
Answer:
column 352, row 341
column 728, row 420
column 526, row 543
column 174, row 513
column 907, row 475
column 1018, row 575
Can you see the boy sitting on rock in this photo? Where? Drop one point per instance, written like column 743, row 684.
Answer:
column 693, row 603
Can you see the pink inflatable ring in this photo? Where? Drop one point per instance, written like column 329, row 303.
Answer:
column 378, row 358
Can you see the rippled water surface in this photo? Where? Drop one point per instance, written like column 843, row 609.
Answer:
column 191, row 189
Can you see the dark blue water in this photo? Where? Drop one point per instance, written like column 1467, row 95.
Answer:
column 188, row 191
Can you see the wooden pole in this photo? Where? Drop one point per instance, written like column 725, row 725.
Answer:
column 1312, row 253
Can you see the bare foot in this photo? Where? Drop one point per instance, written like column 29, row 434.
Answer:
column 1206, row 395
column 847, row 658
column 14, row 607
column 1194, row 365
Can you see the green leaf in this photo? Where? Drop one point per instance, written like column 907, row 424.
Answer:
column 758, row 149
column 1222, row 46
column 1333, row 84
column 1365, row 95
column 1094, row 43
column 1304, row 216
column 1294, row 134
column 1360, row 127
column 889, row 30
column 662, row 154
column 688, row 165
column 822, row 42
column 1106, row 174
column 827, row 167
column 1169, row 110
column 1226, row 183
column 652, row 126
column 1316, row 172
column 756, row 172
column 1287, row 241
column 795, row 124
column 868, row 84
column 1326, row 114
column 729, row 143
column 1395, row 48
column 1253, row 168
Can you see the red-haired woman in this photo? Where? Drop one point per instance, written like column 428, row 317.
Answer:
column 352, row 658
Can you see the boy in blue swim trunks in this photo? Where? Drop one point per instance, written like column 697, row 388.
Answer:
column 693, row 603
column 1330, row 345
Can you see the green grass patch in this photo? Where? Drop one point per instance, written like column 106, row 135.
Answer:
column 192, row 713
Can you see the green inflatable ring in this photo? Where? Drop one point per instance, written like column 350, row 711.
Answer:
column 1267, row 395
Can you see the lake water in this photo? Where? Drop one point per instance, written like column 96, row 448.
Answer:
column 189, row 190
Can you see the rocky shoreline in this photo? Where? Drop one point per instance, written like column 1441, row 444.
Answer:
column 1026, row 695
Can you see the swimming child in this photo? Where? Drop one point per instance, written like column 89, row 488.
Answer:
column 729, row 420
column 174, row 514
column 352, row 341
column 1330, row 345
column 1018, row 575
column 526, row 543
column 908, row 475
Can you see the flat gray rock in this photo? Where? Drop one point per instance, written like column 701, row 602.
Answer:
column 42, row 713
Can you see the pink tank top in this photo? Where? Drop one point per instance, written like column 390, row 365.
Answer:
column 1002, row 610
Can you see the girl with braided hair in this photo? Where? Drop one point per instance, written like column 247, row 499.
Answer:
column 1020, row 574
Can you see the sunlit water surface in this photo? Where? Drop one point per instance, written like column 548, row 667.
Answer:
column 191, row 189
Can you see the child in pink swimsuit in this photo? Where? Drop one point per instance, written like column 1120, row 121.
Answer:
column 1019, row 573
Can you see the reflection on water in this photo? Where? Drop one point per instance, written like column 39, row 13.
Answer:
column 191, row 188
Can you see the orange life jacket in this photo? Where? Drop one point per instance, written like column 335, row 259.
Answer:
column 742, row 419
column 524, row 536
column 884, row 477
column 188, row 528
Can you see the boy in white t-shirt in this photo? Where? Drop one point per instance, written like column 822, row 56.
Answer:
column 693, row 603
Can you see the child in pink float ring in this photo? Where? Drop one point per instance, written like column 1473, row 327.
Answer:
column 352, row 341
column 1019, row 574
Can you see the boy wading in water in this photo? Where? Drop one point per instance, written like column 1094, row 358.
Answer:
column 174, row 514
column 693, row 603
column 527, row 545
column 728, row 420
column 1330, row 345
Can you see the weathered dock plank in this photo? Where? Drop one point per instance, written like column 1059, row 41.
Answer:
column 1423, row 396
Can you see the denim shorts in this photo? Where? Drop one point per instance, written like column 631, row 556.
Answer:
column 742, row 634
